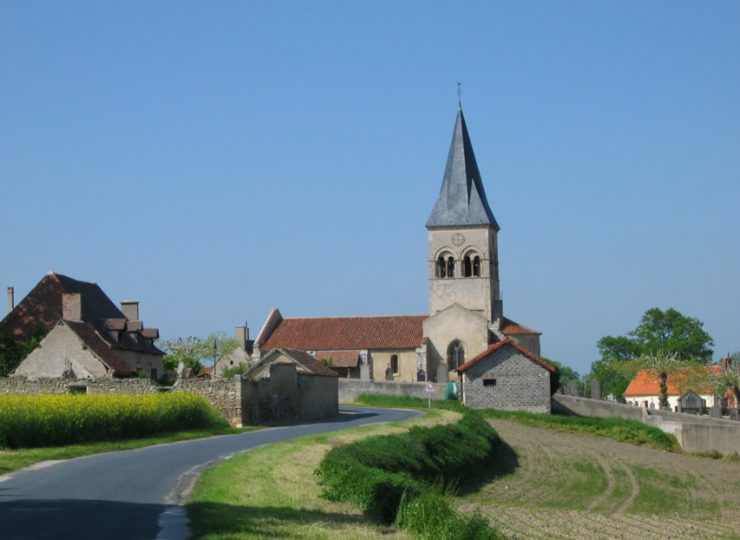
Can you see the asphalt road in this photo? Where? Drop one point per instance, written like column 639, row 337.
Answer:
column 134, row 494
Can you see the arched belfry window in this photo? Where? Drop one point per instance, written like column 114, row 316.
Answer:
column 471, row 265
column 455, row 355
column 445, row 267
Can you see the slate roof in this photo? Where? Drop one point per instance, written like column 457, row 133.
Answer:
column 462, row 199
column 41, row 309
column 348, row 333
column 501, row 344
column 646, row 383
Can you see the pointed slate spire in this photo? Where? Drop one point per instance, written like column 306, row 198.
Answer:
column 462, row 199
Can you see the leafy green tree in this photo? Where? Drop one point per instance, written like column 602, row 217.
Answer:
column 12, row 352
column 562, row 375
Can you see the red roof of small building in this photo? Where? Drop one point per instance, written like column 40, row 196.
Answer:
column 501, row 344
column 348, row 333
column 510, row 327
column 340, row 359
column 646, row 383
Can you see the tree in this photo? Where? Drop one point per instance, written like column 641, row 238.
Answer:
column 563, row 374
column 188, row 350
column 671, row 333
column 12, row 352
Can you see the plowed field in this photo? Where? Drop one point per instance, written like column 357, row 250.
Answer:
column 567, row 485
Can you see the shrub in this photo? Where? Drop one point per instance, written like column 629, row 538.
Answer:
column 31, row 421
column 375, row 473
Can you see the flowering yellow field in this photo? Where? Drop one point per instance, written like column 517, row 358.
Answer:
column 31, row 421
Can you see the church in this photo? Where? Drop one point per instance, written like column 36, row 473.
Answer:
column 465, row 328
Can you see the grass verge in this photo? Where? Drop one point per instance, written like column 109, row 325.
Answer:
column 273, row 491
column 12, row 460
column 618, row 429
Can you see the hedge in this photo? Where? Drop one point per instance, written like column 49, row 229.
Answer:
column 33, row 421
column 375, row 473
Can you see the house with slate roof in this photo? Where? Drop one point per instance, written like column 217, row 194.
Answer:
column 466, row 314
column 85, row 335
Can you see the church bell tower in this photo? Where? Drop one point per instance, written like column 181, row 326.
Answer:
column 463, row 246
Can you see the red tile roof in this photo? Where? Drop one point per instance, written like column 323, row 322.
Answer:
column 348, row 333
column 501, row 344
column 340, row 359
column 646, row 383
column 511, row 328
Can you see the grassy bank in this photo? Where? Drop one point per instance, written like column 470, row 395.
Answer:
column 273, row 491
column 12, row 460
column 618, row 429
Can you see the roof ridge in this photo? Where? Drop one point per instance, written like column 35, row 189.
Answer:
column 353, row 316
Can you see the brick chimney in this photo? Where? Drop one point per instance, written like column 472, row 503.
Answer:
column 130, row 309
column 72, row 306
column 11, row 299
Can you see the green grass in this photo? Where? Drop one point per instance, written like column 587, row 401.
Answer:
column 273, row 491
column 618, row 429
column 12, row 460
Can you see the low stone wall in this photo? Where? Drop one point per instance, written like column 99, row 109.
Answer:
column 349, row 389
column 24, row 387
column 694, row 433
column 224, row 394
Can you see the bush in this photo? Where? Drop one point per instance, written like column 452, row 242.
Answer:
column 375, row 473
column 32, row 421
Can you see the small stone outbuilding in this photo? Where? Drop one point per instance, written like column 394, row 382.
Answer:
column 289, row 385
column 507, row 376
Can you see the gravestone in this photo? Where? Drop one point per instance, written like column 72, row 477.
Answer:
column 716, row 411
column 442, row 376
column 690, row 402
column 735, row 414
column 571, row 388
column 595, row 389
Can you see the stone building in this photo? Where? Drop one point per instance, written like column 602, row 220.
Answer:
column 85, row 336
column 466, row 313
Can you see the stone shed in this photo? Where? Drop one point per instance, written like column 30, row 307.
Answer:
column 507, row 376
column 289, row 385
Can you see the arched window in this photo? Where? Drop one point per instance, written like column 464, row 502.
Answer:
column 471, row 265
column 394, row 364
column 441, row 267
column 455, row 355
column 445, row 266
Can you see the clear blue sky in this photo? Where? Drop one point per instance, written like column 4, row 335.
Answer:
column 217, row 159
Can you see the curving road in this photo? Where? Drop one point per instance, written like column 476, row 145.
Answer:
column 135, row 494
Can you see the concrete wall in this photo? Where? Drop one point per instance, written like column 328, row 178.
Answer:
column 349, row 389
column 318, row 397
column 694, row 433
column 520, row 383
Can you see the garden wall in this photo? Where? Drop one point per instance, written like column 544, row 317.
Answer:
column 349, row 389
column 694, row 433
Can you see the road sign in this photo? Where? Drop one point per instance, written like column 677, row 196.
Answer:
column 429, row 388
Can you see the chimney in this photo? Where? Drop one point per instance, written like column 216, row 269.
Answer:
column 11, row 299
column 72, row 306
column 242, row 335
column 130, row 309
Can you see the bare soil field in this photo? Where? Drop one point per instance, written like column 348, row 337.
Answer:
column 566, row 485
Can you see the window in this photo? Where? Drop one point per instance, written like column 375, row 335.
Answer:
column 455, row 355
column 471, row 265
column 154, row 374
column 394, row 364
column 489, row 382
column 445, row 267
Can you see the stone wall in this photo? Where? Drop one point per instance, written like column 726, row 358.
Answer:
column 224, row 394
column 349, row 389
column 24, row 387
column 317, row 397
column 694, row 433
column 507, row 379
